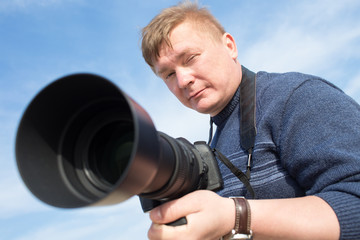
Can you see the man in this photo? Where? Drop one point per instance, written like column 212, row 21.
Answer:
column 305, row 167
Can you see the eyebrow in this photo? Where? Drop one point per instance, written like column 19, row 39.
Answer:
column 177, row 57
column 161, row 71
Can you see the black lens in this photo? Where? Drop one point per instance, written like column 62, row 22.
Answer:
column 111, row 150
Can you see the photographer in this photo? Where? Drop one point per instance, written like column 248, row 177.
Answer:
column 305, row 162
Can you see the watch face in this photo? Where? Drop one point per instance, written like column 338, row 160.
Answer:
column 241, row 236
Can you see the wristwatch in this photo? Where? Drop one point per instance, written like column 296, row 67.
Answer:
column 242, row 221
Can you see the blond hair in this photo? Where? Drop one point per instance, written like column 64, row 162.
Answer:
column 158, row 30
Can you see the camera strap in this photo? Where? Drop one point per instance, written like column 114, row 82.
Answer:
column 248, row 114
column 236, row 171
column 247, row 127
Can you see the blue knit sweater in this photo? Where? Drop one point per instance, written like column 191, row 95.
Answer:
column 307, row 143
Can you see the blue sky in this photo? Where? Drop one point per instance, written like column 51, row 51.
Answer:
column 42, row 40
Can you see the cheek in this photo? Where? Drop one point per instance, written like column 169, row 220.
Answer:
column 173, row 89
column 178, row 93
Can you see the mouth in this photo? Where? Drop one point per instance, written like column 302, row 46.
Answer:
column 196, row 94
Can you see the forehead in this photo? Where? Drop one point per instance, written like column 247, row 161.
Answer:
column 183, row 35
column 184, row 39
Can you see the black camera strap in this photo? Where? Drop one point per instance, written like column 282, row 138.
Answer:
column 236, row 171
column 248, row 114
column 247, row 127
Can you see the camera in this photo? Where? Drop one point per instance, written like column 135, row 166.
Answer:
column 83, row 142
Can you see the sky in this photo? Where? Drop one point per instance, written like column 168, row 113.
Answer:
column 43, row 40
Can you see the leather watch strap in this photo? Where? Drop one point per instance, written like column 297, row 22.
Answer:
column 242, row 220
column 243, row 216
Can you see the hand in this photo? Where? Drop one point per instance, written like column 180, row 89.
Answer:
column 209, row 216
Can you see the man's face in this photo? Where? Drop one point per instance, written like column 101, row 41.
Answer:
column 201, row 72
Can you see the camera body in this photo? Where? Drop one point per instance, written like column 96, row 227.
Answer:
column 207, row 175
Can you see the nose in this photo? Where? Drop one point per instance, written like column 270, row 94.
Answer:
column 184, row 77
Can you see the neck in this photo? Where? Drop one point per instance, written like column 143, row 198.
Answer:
column 234, row 86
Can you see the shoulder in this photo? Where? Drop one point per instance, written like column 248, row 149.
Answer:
column 284, row 84
column 277, row 89
column 285, row 100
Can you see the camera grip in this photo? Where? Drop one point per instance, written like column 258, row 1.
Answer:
column 179, row 222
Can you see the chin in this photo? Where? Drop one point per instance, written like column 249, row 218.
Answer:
column 202, row 110
column 204, row 107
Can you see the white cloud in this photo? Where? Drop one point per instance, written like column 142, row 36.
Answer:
column 353, row 88
column 15, row 199
column 119, row 221
column 291, row 48
column 309, row 36
column 122, row 221
column 6, row 5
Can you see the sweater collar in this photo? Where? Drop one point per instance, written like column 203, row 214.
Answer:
column 226, row 112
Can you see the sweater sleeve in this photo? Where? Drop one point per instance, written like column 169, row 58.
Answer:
column 319, row 145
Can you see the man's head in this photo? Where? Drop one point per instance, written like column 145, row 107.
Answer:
column 158, row 30
column 196, row 58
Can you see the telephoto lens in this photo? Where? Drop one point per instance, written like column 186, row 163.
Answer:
column 83, row 142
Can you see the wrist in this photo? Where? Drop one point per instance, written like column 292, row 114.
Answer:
column 242, row 225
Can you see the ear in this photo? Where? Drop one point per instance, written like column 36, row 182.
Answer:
column 230, row 45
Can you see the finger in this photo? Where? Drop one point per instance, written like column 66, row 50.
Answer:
column 163, row 232
column 168, row 212
column 174, row 210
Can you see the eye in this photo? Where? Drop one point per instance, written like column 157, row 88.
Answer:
column 192, row 57
column 169, row 75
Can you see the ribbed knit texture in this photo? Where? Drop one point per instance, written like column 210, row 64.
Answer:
column 308, row 143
